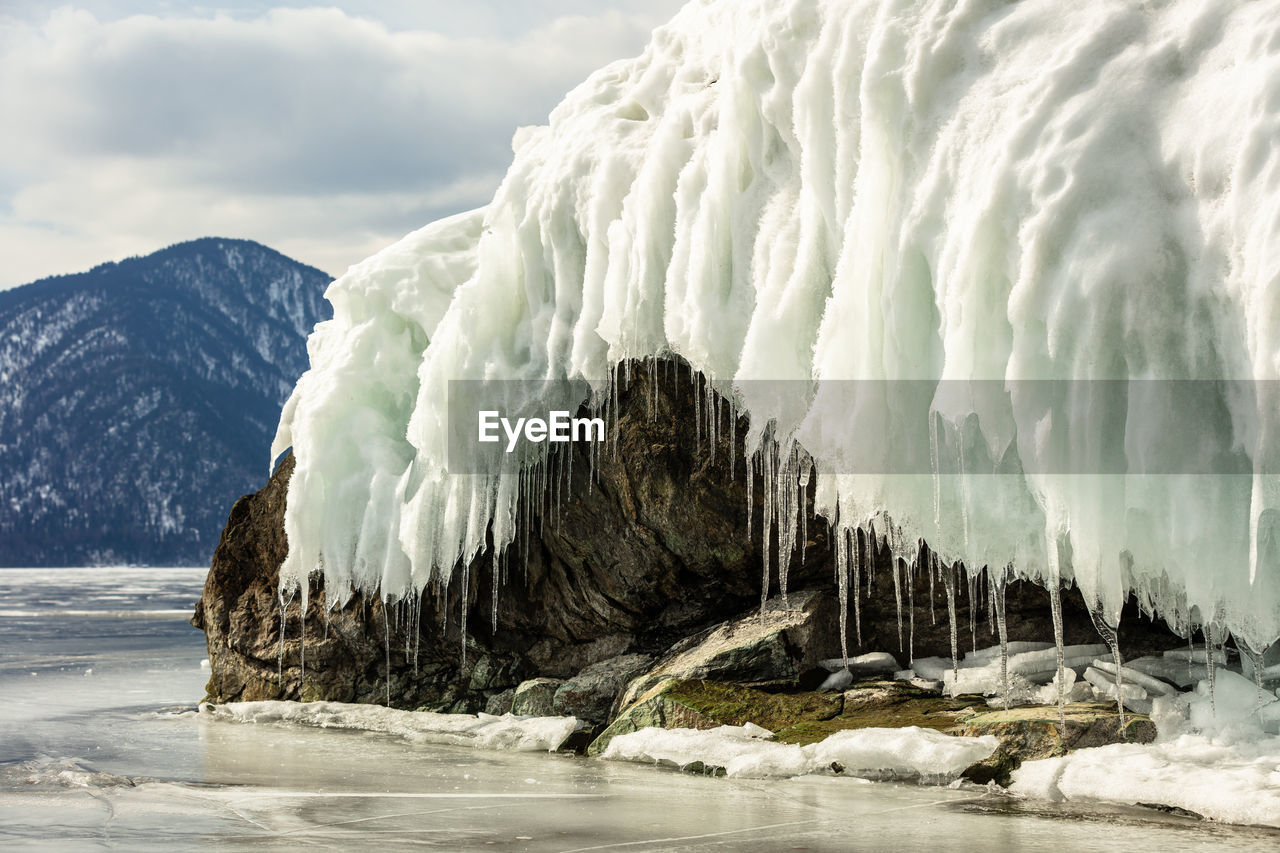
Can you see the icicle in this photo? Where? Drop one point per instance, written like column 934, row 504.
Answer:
column 1191, row 647
column 466, row 594
column 871, row 560
column 897, row 594
column 1055, row 607
column 911, row 606
column 697, row 410
column 804, row 515
column 991, row 604
column 933, row 567
column 998, row 589
column 442, row 604
column 786, row 522
column 768, row 488
column 972, row 581
column 1112, row 639
column 842, row 572
column 402, row 616
column 1256, row 664
column 857, row 569
column 949, row 582
column 733, row 440
column 417, row 633
column 653, row 388
column 935, row 466
column 302, row 649
column 1211, row 663
column 496, row 580
column 713, row 411
column 280, row 654
column 386, row 627
column 616, row 414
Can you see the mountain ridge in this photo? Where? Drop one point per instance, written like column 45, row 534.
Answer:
column 137, row 399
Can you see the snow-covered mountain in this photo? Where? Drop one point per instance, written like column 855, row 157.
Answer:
column 137, row 399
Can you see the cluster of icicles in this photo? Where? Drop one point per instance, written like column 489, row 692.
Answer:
column 786, row 474
column 830, row 191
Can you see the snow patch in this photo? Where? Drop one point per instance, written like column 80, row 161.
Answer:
column 903, row 753
column 485, row 731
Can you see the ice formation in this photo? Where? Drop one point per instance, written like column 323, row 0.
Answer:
column 1217, row 756
column 485, row 731
column 903, row 753
column 818, row 191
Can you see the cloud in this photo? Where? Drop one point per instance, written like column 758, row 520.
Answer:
column 323, row 134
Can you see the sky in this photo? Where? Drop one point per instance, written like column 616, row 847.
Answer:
column 326, row 132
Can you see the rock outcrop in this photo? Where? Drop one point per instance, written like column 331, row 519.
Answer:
column 650, row 562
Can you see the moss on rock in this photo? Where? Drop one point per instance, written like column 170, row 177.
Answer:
column 1025, row 733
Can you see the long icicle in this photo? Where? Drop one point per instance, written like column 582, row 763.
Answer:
column 949, row 582
column 998, row 589
column 1211, row 663
column 1112, row 639
column 1055, row 607
column 842, row 573
column 856, row 541
column 911, row 605
column 897, row 594
column 302, row 648
column 386, row 629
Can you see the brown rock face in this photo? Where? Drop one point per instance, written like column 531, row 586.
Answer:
column 654, row 551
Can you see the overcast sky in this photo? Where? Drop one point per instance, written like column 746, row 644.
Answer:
column 326, row 133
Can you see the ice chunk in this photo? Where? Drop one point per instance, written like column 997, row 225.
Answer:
column 837, row 680
column 1235, row 706
column 1036, row 664
column 908, row 752
column 932, row 668
column 1153, row 686
column 482, row 730
column 1133, row 696
column 904, row 753
column 1197, row 655
column 868, row 664
column 1234, row 782
column 992, row 653
column 738, row 752
column 1180, row 673
column 1073, row 690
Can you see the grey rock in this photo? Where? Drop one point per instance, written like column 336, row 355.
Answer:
column 500, row 703
column 498, row 672
column 536, row 697
column 653, row 708
column 769, row 646
column 590, row 694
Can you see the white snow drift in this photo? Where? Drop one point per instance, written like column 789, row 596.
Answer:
column 902, row 753
column 484, row 731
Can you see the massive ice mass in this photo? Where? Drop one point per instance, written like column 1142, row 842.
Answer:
column 820, row 191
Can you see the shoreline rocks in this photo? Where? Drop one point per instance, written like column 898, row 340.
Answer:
column 642, row 577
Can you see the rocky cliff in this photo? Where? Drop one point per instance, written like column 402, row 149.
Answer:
column 634, row 567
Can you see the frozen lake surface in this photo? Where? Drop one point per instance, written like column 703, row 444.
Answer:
column 101, row 748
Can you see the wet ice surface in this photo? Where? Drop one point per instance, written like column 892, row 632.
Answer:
column 118, row 759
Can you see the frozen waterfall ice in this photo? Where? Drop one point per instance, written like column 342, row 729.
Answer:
column 886, row 192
